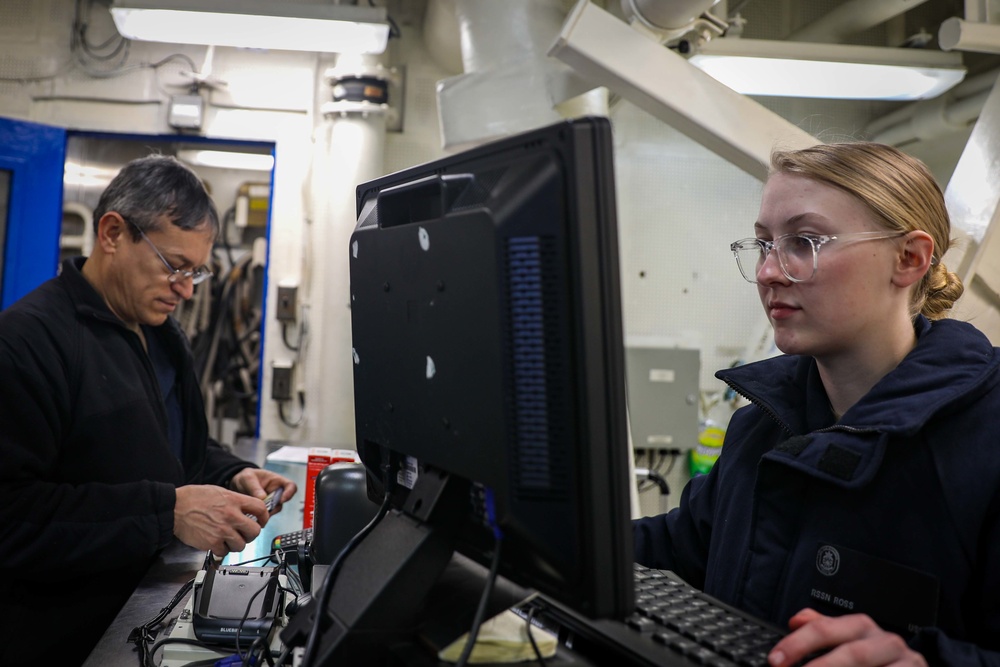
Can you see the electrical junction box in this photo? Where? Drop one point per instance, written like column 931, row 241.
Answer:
column 186, row 112
column 281, row 380
column 663, row 391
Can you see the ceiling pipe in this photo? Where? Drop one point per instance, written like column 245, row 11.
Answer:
column 851, row 18
column 508, row 84
column 929, row 119
column 956, row 33
column 668, row 19
column 968, row 88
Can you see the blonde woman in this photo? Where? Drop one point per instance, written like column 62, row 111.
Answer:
column 857, row 499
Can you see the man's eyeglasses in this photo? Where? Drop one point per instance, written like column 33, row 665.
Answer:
column 798, row 254
column 199, row 275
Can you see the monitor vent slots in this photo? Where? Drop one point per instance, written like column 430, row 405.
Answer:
column 538, row 460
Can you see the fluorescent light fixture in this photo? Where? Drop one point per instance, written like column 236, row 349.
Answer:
column 838, row 71
column 87, row 176
column 257, row 24
column 227, row 159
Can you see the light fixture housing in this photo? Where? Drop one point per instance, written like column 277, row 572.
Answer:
column 257, row 24
column 832, row 71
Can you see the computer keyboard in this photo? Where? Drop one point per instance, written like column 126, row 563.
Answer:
column 697, row 626
column 674, row 624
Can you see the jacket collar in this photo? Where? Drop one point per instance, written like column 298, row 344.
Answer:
column 87, row 300
column 951, row 361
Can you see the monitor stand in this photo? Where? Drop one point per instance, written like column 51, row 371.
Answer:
column 390, row 588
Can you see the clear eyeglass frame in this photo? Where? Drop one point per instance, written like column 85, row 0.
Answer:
column 197, row 276
column 798, row 254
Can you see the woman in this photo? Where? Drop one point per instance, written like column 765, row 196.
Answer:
column 857, row 499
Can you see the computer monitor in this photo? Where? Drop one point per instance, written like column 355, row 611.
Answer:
column 489, row 377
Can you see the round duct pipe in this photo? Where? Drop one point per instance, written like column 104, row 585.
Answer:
column 928, row 119
column 670, row 18
column 509, row 81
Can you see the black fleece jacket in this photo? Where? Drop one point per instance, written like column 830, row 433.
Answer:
column 87, row 476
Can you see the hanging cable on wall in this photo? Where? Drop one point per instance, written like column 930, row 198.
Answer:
column 227, row 350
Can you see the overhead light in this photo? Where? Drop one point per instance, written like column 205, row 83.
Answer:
column 86, row 175
column 227, row 159
column 257, row 24
column 839, row 71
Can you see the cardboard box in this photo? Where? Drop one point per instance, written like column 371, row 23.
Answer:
column 317, row 459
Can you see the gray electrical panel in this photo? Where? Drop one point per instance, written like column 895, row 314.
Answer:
column 663, row 396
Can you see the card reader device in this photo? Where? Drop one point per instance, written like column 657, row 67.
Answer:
column 235, row 601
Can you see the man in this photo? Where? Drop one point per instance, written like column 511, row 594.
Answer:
column 104, row 450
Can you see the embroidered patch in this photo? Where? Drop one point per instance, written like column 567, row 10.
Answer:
column 827, row 560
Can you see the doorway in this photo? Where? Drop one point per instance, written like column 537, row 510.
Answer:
column 223, row 320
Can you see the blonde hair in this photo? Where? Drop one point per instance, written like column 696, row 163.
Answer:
column 903, row 195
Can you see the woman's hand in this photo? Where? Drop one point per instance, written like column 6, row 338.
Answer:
column 848, row 640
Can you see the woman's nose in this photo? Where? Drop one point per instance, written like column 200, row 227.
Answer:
column 770, row 270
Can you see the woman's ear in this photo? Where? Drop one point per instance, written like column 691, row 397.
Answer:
column 915, row 258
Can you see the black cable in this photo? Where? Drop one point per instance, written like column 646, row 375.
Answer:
column 338, row 562
column 83, row 49
column 143, row 634
column 483, row 603
column 265, row 653
column 674, row 455
column 284, row 418
column 531, row 637
column 252, row 560
column 246, row 616
column 284, row 338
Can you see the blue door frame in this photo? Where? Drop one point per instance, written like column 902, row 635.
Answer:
column 35, row 156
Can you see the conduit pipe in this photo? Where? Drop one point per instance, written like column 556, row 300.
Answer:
column 928, row 119
column 851, row 18
column 955, row 33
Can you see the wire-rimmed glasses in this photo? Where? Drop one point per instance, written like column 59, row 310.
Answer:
column 199, row 275
column 798, row 254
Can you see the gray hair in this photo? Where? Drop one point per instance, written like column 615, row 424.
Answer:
column 151, row 188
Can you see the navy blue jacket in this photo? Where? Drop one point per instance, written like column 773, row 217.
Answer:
column 895, row 504
column 87, row 475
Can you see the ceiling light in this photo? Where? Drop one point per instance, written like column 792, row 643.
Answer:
column 227, row 159
column 799, row 69
column 258, row 24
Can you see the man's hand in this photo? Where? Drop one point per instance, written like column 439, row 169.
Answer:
column 211, row 518
column 850, row 640
column 258, row 483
